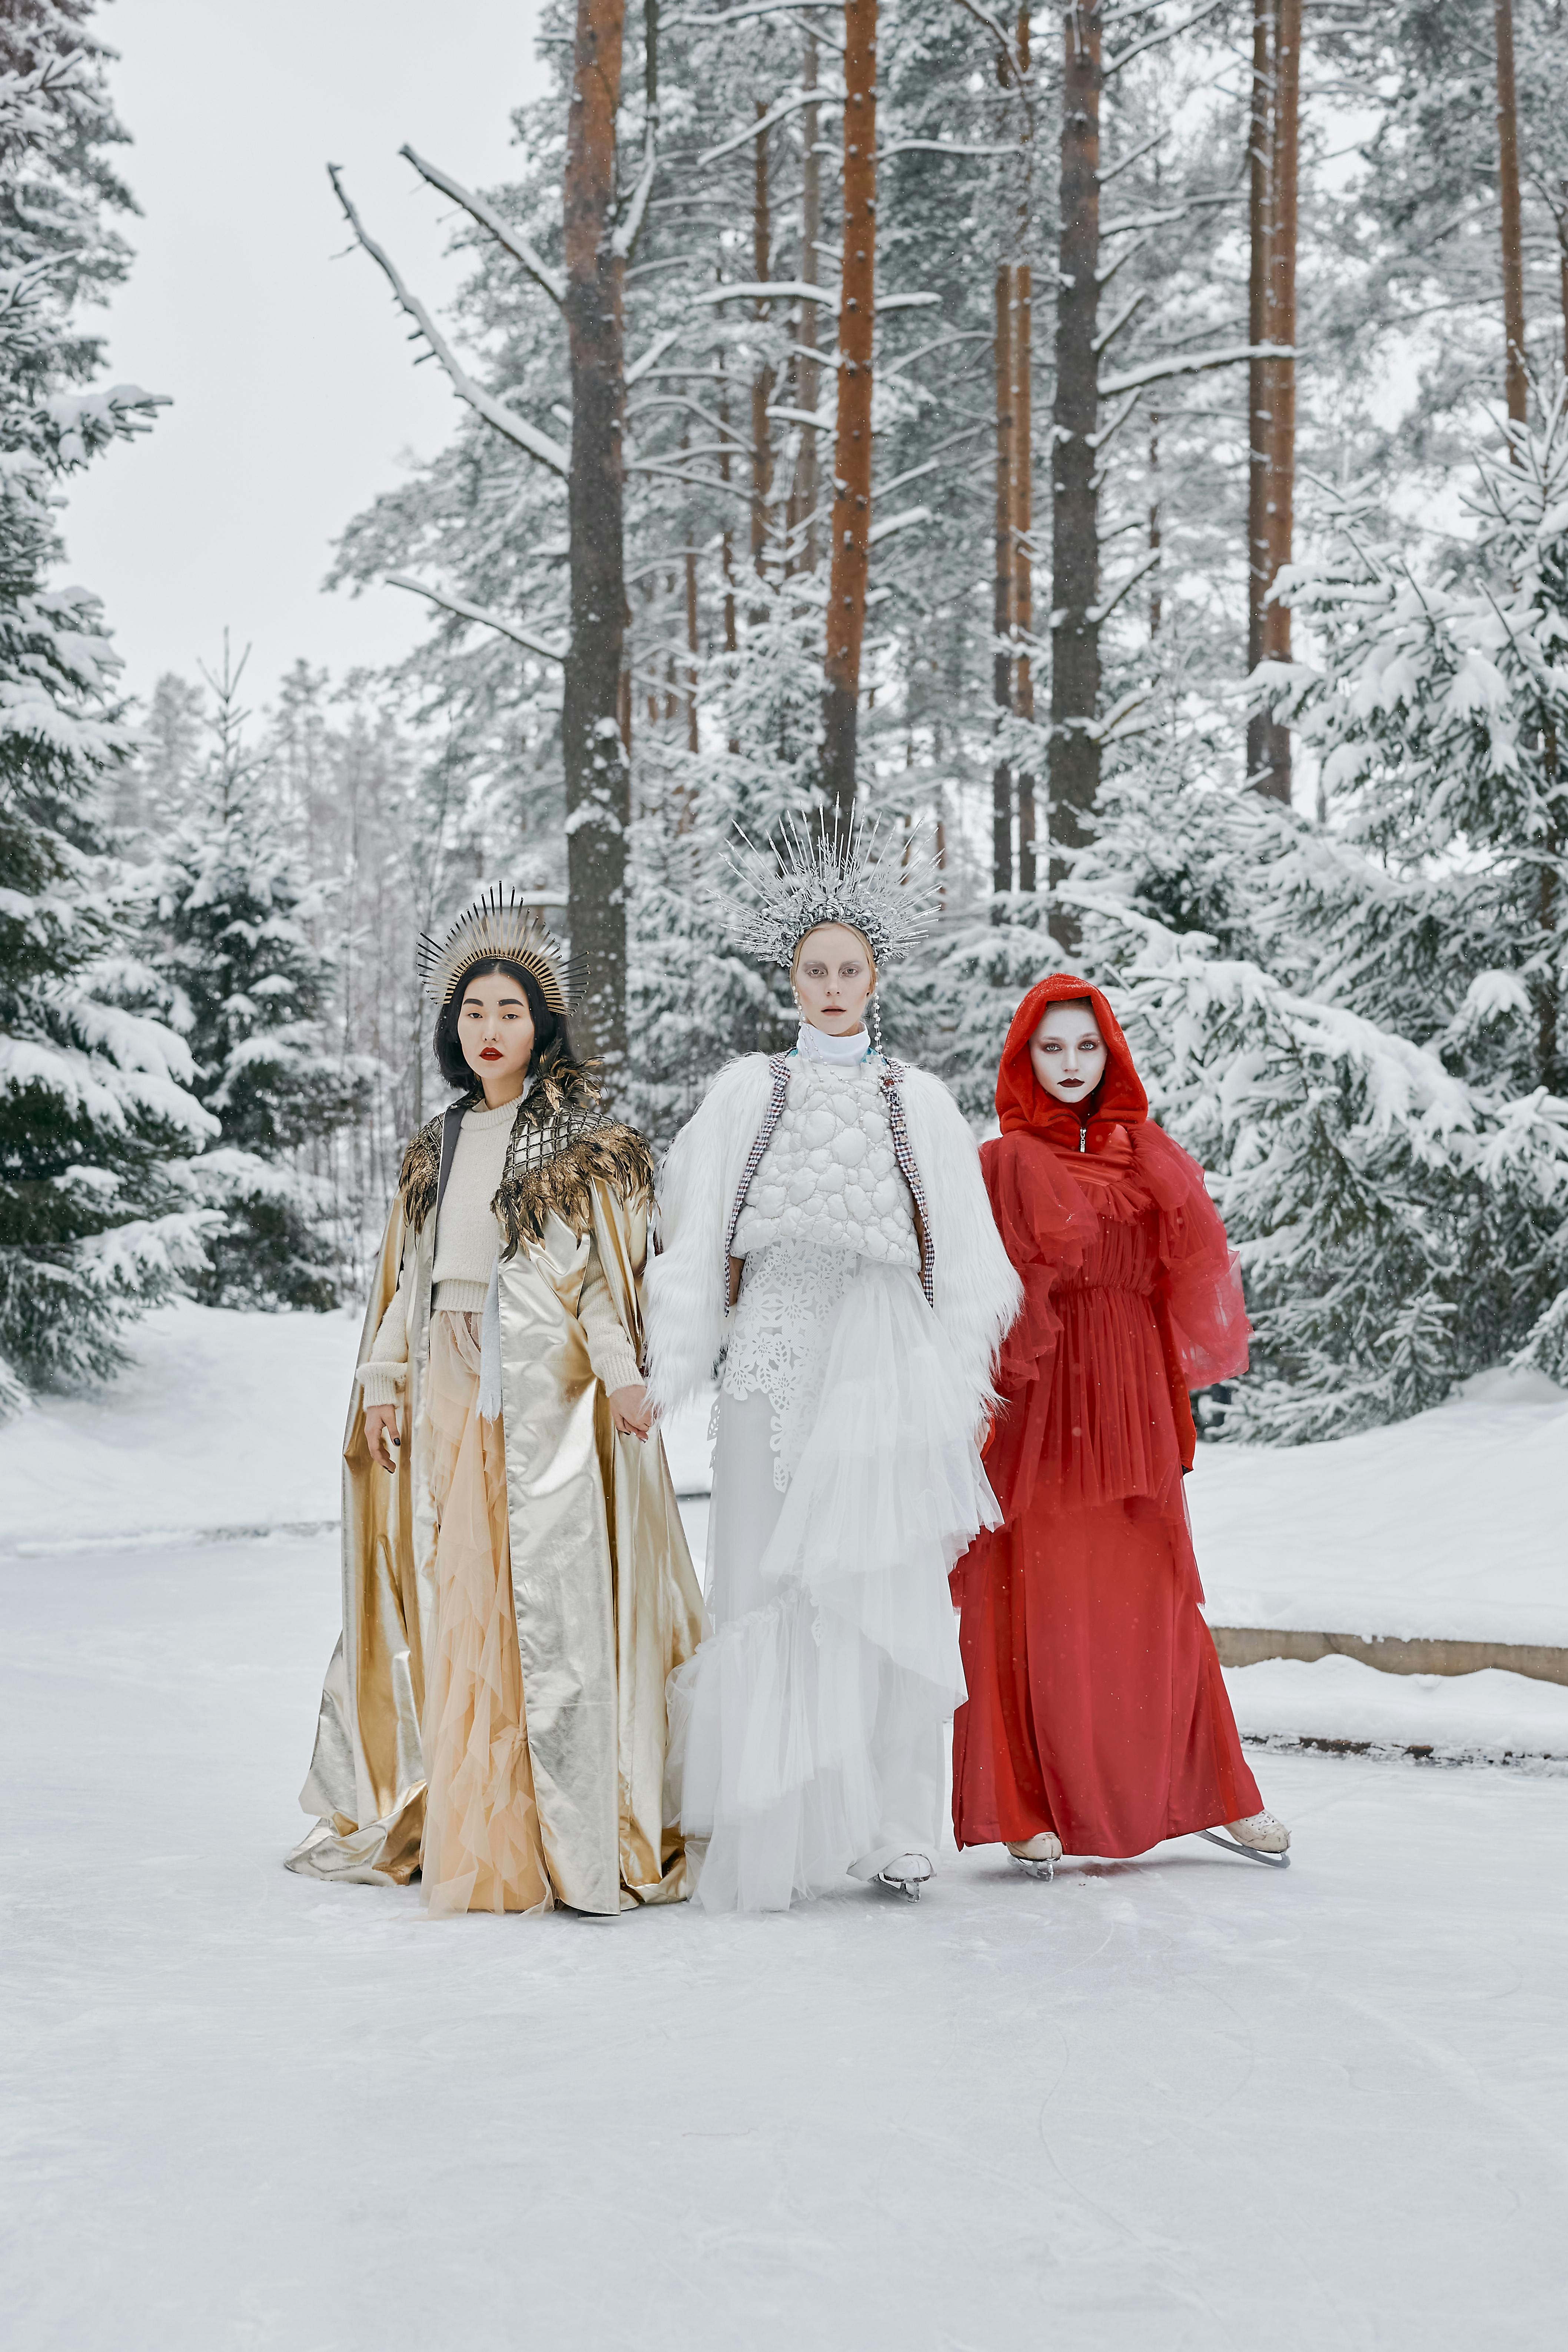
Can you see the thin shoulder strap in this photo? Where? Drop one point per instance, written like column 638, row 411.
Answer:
column 449, row 1126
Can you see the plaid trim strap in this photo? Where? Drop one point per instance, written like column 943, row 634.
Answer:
column 898, row 1127
column 779, row 1064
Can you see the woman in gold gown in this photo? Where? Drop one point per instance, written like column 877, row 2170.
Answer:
column 516, row 1583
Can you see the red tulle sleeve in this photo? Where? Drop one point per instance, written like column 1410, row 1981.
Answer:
column 1202, row 1312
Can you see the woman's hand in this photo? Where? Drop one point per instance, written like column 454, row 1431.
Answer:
column 381, row 1435
column 631, row 1410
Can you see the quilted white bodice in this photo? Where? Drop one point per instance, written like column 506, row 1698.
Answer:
column 829, row 1174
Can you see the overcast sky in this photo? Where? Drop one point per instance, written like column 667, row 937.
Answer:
column 295, row 395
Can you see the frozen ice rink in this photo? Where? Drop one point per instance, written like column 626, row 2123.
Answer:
column 1183, row 2102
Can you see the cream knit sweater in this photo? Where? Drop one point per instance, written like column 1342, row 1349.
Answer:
column 468, row 1241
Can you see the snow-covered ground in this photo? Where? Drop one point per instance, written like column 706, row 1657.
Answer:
column 1176, row 2101
column 1156, row 2105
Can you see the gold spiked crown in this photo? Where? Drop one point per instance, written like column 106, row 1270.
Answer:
column 502, row 924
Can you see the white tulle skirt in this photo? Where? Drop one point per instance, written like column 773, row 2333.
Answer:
column 805, row 1734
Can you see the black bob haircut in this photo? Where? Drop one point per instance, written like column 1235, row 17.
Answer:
column 552, row 1045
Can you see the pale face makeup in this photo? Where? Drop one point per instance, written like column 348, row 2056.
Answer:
column 834, row 977
column 495, row 1029
column 1067, row 1052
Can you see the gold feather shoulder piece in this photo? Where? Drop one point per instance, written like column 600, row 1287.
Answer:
column 552, row 1171
column 419, row 1177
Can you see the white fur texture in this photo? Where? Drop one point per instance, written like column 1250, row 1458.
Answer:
column 685, row 1286
column 977, row 1291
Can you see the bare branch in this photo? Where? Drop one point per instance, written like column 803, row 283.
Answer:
column 651, row 357
column 819, row 94
column 1197, row 364
column 1156, row 40
column 1098, row 613
column 698, row 19
column 1129, row 310
column 1126, row 162
column 890, row 523
column 778, row 290
column 940, row 147
column 464, row 611
column 999, row 34
column 512, row 239
column 505, row 421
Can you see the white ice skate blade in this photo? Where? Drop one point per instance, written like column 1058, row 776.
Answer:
column 1247, row 1853
column 1031, row 1868
column 897, row 1883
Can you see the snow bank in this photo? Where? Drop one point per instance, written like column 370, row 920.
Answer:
column 1454, row 1524
column 1487, row 1718
column 222, row 1420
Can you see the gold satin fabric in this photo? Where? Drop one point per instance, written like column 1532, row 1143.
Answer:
column 607, row 1605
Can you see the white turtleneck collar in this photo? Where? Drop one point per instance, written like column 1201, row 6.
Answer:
column 816, row 1046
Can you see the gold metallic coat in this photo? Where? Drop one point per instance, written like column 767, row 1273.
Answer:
column 606, row 1602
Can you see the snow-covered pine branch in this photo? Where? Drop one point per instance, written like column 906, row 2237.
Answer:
column 495, row 412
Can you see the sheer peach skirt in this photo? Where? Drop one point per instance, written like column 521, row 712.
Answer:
column 482, row 1848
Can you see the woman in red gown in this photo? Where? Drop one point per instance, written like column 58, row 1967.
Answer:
column 1098, row 1720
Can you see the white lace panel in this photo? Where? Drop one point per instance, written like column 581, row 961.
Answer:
column 778, row 1342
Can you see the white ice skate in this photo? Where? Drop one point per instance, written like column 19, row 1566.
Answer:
column 1259, row 1837
column 905, row 1875
column 1037, row 1857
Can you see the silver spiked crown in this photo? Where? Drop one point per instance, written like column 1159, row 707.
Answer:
column 868, row 873
column 496, row 924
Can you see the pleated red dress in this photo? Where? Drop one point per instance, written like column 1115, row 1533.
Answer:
column 1096, row 1705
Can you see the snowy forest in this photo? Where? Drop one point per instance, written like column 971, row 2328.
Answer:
column 1125, row 446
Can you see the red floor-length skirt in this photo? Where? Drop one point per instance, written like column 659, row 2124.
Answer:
column 1096, row 1704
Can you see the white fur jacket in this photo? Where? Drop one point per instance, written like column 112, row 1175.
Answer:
column 973, row 1287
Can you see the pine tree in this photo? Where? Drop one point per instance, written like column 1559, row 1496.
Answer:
column 247, row 989
column 1356, row 1026
column 97, row 1217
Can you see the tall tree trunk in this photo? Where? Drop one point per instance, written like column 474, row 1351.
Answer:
column 598, row 784
column 808, row 375
column 1023, row 523
column 1268, row 745
column 726, row 537
column 1516, row 381
column 693, row 739
column 1002, row 585
column 1550, row 1006
column 763, row 382
column 852, row 448
column 1023, row 463
column 1274, row 780
column 1155, row 532
column 1075, row 544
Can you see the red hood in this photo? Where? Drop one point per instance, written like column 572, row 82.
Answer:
column 1119, row 1100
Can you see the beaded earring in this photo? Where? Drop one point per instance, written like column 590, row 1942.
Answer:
column 875, row 1025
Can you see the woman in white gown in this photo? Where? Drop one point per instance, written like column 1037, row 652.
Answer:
column 826, row 1232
